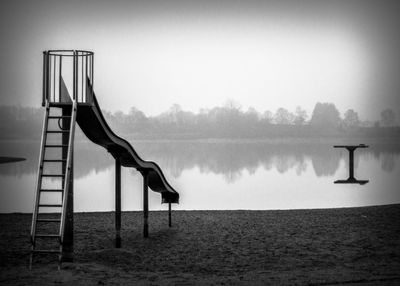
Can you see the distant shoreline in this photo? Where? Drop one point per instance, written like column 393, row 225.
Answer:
column 279, row 140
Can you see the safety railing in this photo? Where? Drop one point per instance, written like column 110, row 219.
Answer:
column 67, row 70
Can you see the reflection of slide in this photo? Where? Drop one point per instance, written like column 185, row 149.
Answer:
column 95, row 127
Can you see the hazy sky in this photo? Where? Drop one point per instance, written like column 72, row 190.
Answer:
column 265, row 54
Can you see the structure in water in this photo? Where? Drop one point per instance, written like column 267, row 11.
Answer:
column 351, row 179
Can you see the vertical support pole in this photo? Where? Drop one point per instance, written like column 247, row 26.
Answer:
column 145, row 205
column 82, row 77
column 118, row 202
column 169, row 215
column 54, row 58
column 68, row 245
column 92, row 72
column 59, row 77
column 86, row 79
column 351, row 163
column 75, row 77
column 45, row 80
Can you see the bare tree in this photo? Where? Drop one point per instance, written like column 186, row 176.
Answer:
column 388, row 117
column 300, row 116
column 283, row 116
column 268, row 117
column 351, row 119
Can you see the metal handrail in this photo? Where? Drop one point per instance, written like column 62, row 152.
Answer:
column 70, row 53
column 67, row 69
column 68, row 170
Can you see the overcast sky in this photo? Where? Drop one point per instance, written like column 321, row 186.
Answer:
column 199, row 54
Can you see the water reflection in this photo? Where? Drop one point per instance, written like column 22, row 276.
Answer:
column 217, row 175
column 231, row 159
column 228, row 159
column 388, row 162
column 88, row 158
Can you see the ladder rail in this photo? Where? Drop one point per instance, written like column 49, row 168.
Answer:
column 40, row 172
column 68, row 171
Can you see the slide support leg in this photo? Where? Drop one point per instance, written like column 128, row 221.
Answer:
column 145, row 205
column 117, row 203
column 169, row 215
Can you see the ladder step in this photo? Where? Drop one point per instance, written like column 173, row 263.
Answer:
column 56, row 146
column 57, row 131
column 58, row 117
column 52, row 175
column 50, row 205
column 48, row 220
column 46, row 251
column 47, row 235
column 54, row 160
column 52, row 190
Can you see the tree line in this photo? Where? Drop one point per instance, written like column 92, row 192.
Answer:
column 228, row 121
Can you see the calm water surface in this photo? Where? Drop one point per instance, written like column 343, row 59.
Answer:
column 217, row 175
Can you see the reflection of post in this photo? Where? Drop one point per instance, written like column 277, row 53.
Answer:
column 351, row 179
column 351, row 163
column 117, row 203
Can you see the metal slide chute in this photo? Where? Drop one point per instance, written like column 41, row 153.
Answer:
column 93, row 124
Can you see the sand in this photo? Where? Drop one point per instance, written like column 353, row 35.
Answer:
column 349, row 246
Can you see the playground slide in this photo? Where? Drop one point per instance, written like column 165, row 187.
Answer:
column 95, row 127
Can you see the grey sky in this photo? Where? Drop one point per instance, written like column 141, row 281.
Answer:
column 265, row 54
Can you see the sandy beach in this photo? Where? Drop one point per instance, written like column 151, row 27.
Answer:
column 349, row 246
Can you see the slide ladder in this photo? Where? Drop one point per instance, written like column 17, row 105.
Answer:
column 55, row 165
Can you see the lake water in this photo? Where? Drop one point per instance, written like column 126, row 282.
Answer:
column 217, row 174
